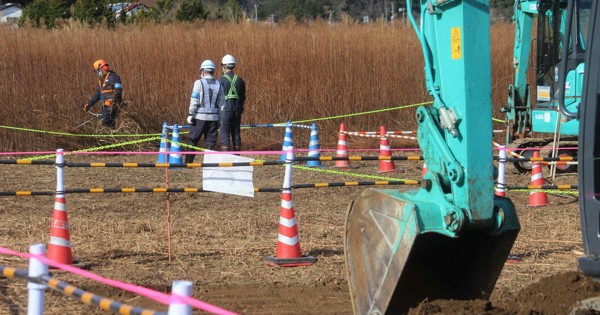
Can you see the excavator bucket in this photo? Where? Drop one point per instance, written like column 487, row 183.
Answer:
column 394, row 262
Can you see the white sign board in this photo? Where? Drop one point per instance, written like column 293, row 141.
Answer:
column 228, row 180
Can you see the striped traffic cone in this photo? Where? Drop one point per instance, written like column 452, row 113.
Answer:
column 59, row 247
column 314, row 149
column 288, row 140
column 537, row 198
column 424, row 171
column 289, row 253
column 175, row 157
column 384, row 150
column 164, row 145
column 342, row 148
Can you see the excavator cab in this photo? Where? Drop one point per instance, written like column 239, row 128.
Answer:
column 450, row 238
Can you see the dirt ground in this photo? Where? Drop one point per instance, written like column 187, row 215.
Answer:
column 219, row 242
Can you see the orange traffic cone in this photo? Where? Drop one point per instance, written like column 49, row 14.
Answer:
column 342, row 147
column 289, row 253
column 424, row 169
column 384, row 150
column 537, row 198
column 59, row 247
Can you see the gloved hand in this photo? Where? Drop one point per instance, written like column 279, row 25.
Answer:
column 108, row 103
column 190, row 119
column 86, row 108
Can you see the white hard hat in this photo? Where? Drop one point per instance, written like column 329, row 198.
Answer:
column 228, row 59
column 207, row 65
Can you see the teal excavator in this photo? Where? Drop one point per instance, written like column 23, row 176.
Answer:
column 535, row 119
column 450, row 238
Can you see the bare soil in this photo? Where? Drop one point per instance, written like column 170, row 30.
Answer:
column 219, row 242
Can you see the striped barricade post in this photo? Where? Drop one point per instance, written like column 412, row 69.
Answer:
column 501, row 185
column 37, row 269
column 177, row 307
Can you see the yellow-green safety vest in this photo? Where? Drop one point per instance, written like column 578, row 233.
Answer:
column 232, row 93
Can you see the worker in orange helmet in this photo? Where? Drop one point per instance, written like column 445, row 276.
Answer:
column 109, row 93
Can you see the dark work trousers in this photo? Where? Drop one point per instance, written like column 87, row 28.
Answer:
column 109, row 114
column 230, row 128
column 200, row 128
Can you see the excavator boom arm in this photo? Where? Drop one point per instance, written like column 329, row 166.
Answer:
column 450, row 238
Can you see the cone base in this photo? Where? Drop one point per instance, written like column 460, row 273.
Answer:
column 394, row 170
column 60, row 254
column 346, row 167
column 537, row 204
column 290, row 262
column 75, row 263
column 538, row 200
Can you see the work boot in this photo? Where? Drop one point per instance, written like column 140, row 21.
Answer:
column 225, row 148
column 189, row 158
column 237, row 148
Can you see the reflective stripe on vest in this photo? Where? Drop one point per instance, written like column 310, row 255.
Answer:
column 209, row 105
column 232, row 93
column 102, row 85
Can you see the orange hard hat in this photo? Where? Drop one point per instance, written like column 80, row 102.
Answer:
column 100, row 64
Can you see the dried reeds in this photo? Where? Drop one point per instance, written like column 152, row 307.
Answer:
column 293, row 72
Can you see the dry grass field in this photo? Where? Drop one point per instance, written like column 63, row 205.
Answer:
column 294, row 72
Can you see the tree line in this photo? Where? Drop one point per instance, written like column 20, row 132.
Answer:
column 46, row 13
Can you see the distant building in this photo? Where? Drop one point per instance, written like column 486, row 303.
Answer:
column 116, row 7
column 10, row 13
column 129, row 8
column 135, row 8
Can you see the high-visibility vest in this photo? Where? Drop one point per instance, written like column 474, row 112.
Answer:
column 209, row 104
column 232, row 94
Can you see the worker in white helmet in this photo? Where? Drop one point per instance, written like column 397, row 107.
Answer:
column 203, row 115
column 230, row 116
